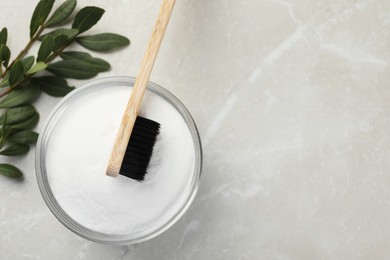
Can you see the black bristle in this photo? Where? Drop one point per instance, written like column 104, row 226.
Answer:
column 140, row 149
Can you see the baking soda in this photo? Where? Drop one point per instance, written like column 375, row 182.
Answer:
column 77, row 156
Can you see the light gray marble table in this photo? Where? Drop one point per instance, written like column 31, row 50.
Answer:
column 292, row 100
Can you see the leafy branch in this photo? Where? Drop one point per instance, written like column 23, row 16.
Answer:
column 21, row 80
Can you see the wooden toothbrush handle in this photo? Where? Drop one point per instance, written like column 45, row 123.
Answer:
column 151, row 54
column 139, row 88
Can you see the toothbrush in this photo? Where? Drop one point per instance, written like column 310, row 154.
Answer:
column 137, row 136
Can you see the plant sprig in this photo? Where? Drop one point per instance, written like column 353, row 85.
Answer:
column 21, row 81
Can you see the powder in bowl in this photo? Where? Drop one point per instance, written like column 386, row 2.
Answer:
column 77, row 153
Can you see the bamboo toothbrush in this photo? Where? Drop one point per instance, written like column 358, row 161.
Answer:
column 136, row 136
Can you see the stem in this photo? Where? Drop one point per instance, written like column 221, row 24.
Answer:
column 10, row 88
column 26, row 49
column 57, row 52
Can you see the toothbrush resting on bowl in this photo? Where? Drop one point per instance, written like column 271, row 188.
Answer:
column 136, row 137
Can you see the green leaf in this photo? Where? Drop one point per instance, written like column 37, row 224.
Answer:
column 15, row 149
column 72, row 69
column 103, row 42
column 4, row 120
column 99, row 64
column 24, row 137
column 39, row 66
column 5, row 131
column 27, row 63
column 5, row 54
column 53, row 85
column 60, row 41
column 3, row 36
column 16, row 73
column 3, row 140
column 26, row 124
column 10, row 171
column 62, row 13
column 17, row 114
column 20, row 96
column 40, row 14
column 69, row 33
column 75, row 55
column 47, row 47
column 4, row 82
column 87, row 17
column 62, row 36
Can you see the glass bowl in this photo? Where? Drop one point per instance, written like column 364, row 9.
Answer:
column 42, row 177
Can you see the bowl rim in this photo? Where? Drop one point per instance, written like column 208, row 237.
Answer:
column 56, row 209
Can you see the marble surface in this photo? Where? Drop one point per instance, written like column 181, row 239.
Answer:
column 292, row 100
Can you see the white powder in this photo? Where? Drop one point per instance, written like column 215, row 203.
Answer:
column 78, row 153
